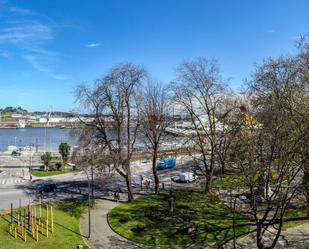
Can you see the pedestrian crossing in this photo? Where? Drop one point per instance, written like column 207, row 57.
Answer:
column 13, row 176
column 11, row 181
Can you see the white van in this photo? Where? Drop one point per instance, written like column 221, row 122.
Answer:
column 187, row 177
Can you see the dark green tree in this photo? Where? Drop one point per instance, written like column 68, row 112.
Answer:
column 46, row 158
column 64, row 150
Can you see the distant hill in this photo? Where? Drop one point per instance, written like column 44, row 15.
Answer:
column 11, row 109
column 19, row 110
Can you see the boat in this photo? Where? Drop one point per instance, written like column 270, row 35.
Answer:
column 62, row 127
column 21, row 124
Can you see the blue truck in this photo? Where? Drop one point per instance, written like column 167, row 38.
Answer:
column 166, row 163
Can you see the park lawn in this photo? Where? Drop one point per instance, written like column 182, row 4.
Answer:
column 66, row 233
column 297, row 213
column 44, row 173
column 149, row 214
column 230, row 181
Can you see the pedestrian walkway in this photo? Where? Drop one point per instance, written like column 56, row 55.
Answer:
column 102, row 236
column 13, row 176
column 9, row 181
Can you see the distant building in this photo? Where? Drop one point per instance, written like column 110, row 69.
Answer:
column 16, row 115
column 64, row 120
column 51, row 120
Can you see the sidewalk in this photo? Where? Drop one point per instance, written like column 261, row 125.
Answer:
column 102, row 237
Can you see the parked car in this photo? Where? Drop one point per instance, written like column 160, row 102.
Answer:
column 247, row 197
column 166, row 163
column 15, row 153
column 197, row 170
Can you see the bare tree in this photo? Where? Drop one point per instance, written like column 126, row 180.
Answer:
column 302, row 107
column 269, row 152
column 114, row 102
column 230, row 118
column 154, row 120
column 198, row 93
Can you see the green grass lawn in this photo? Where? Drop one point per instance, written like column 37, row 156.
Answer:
column 297, row 213
column 43, row 173
column 230, row 181
column 66, row 230
column 149, row 214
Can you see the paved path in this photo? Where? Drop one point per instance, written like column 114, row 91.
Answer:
column 293, row 238
column 102, row 237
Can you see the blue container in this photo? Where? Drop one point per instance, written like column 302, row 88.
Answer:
column 166, row 163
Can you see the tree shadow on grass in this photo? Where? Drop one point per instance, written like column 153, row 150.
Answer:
column 75, row 209
column 69, row 229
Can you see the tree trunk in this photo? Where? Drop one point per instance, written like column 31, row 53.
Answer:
column 306, row 189
column 128, row 178
column 272, row 246
column 129, row 186
column 207, row 184
column 155, row 173
column 259, row 237
column 222, row 167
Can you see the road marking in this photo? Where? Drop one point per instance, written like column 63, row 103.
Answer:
column 11, row 181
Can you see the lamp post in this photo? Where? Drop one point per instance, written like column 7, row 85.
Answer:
column 89, row 201
column 92, row 195
column 92, row 181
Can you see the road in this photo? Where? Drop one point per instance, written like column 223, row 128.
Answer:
column 26, row 190
column 72, row 185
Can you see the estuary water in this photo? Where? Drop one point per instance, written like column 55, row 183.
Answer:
column 47, row 139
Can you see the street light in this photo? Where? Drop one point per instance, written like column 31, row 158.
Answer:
column 92, row 187
column 89, row 213
column 91, row 170
column 90, row 199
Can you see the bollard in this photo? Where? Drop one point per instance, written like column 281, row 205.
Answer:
column 37, row 233
column 25, row 233
column 52, row 219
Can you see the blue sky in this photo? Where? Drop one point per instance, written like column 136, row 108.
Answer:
column 49, row 47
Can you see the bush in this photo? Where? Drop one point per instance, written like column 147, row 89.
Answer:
column 58, row 166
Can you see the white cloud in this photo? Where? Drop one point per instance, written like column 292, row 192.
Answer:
column 28, row 32
column 34, row 61
column 43, row 67
column 21, row 11
column 93, row 45
column 4, row 54
column 25, row 33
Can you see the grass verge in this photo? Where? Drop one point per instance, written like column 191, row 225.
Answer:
column 147, row 219
column 300, row 213
column 230, row 181
column 44, row 173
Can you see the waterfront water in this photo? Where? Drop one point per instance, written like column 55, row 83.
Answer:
column 46, row 139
